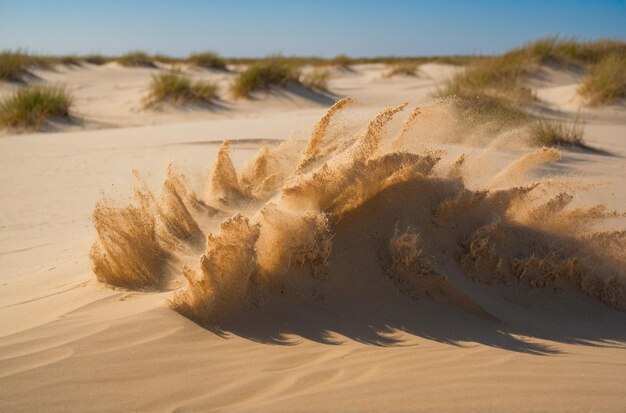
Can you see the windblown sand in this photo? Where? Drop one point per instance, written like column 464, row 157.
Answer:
column 277, row 255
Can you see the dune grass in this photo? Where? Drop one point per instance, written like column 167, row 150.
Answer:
column 31, row 107
column 402, row 69
column 264, row 75
column 342, row 61
column 606, row 82
column 13, row 65
column 136, row 59
column 556, row 133
column 174, row 87
column 96, row 59
column 316, row 79
column 207, row 60
column 505, row 76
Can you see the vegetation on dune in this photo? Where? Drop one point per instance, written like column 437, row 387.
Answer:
column 136, row 59
column 13, row 65
column 606, row 82
column 556, row 133
column 161, row 58
column 31, row 107
column 207, row 60
column 505, row 76
column 316, row 79
column 407, row 68
column 96, row 59
column 177, row 88
column 262, row 76
column 342, row 61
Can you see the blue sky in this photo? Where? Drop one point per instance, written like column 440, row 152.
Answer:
column 319, row 27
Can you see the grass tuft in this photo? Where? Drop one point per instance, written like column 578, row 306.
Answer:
column 606, row 82
column 556, row 133
column 177, row 88
column 207, row 60
column 402, row 69
column 96, row 59
column 31, row 107
column 505, row 76
column 13, row 65
column 136, row 59
column 342, row 60
column 316, row 79
column 263, row 75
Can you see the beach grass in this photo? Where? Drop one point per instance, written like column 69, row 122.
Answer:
column 31, row 107
column 174, row 87
column 264, row 75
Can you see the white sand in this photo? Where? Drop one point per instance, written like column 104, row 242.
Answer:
column 68, row 343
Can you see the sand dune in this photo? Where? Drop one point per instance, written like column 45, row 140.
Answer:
column 356, row 262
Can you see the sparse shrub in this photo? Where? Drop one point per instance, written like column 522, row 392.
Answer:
column 556, row 133
column 606, row 82
column 263, row 75
column 136, row 59
column 316, row 79
column 13, row 65
column 31, row 107
column 177, row 88
column 207, row 60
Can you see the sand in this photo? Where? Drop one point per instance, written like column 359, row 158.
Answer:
column 350, row 339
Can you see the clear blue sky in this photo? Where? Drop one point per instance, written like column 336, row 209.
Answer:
column 316, row 27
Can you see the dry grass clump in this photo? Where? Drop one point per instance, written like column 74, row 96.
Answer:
column 505, row 76
column 555, row 133
column 136, row 59
column 174, row 87
column 13, row 65
column 316, row 79
column 68, row 60
column 342, row 61
column 402, row 69
column 207, row 60
column 264, row 75
column 31, row 107
column 606, row 82
column 96, row 59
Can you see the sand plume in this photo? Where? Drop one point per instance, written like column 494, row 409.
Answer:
column 523, row 165
column 309, row 155
column 127, row 252
column 224, row 187
column 227, row 268
column 173, row 214
column 408, row 214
